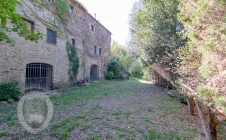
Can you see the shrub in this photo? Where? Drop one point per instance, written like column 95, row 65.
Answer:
column 9, row 90
column 109, row 75
column 118, row 70
column 205, row 93
column 137, row 71
column 3, row 133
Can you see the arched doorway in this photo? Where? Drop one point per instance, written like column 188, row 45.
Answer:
column 94, row 73
column 38, row 76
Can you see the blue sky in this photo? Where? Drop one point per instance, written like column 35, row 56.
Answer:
column 113, row 14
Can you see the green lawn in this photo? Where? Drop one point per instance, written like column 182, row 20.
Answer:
column 110, row 110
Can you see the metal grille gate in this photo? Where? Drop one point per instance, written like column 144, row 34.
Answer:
column 38, row 76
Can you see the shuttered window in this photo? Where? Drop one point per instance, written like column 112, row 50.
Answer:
column 92, row 28
column 51, row 36
column 73, row 41
column 100, row 51
column 95, row 50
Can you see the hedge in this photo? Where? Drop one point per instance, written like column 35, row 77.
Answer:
column 9, row 90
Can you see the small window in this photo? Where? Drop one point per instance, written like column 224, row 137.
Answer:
column 71, row 9
column 83, row 43
column 100, row 51
column 92, row 28
column 51, row 36
column 95, row 50
column 73, row 41
column 30, row 24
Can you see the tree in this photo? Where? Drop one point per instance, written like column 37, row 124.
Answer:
column 73, row 62
column 119, row 63
column 11, row 22
column 203, row 60
column 121, row 54
column 155, row 28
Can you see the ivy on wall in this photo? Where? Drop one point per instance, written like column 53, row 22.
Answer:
column 62, row 9
column 73, row 62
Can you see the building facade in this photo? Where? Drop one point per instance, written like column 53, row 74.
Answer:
column 45, row 64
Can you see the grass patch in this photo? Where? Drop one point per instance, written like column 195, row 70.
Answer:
column 77, row 95
column 84, row 127
column 94, row 137
column 128, row 114
column 116, row 113
column 63, row 129
column 125, row 133
column 147, row 120
column 153, row 134
column 11, row 120
column 3, row 133
column 167, row 105
column 95, row 117
column 205, row 93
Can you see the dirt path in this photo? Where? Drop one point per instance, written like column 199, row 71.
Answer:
column 112, row 110
column 131, row 111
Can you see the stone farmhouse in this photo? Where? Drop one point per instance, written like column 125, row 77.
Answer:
column 44, row 65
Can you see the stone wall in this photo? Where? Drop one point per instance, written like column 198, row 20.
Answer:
column 14, row 59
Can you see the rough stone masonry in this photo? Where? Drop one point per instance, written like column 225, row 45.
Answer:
column 27, row 62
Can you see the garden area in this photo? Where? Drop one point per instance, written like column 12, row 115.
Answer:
column 131, row 109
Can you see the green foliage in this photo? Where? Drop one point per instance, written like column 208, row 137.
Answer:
column 62, row 9
column 17, row 24
column 136, row 69
column 73, row 62
column 155, row 28
column 121, row 54
column 204, row 25
column 221, row 103
column 3, row 133
column 94, row 137
column 153, row 134
column 118, row 70
column 137, row 72
column 146, row 72
column 63, row 129
column 205, row 93
column 206, row 70
column 9, row 90
column 209, row 97
column 109, row 75
column 11, row 120
column 124, row 63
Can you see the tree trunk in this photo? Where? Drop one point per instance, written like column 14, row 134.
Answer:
column 213, row 125
column 191, row 105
